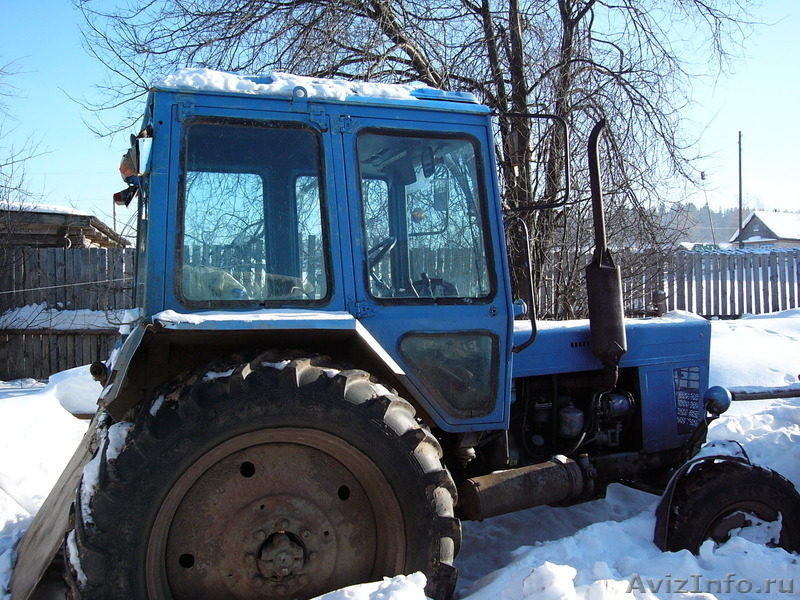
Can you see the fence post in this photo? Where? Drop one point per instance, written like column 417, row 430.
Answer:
column 681, row 276
column 774, row 282
column 793, row 274
column 724, row 282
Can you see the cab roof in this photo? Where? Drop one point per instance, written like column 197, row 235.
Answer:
column 285, row 85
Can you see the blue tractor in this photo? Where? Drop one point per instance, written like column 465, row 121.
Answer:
column 330, row 370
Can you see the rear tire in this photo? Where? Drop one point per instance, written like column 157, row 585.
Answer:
column 718, row 498
column 268, row 478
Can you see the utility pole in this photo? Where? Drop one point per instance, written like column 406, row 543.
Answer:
column 741, row 233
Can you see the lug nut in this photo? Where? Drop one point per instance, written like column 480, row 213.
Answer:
column 260, row 536
column 306, row 535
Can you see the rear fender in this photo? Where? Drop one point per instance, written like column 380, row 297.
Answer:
column 112, row 398
column 151, row 353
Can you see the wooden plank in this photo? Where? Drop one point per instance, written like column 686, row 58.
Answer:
column 71, row 294
column 704, row 289
column 18, row 278
column 7, row 270
column 755, row 280
column 117, row 273
column 775, row 280
column 5, row 346
column 712, row 287
column 724, row 278
column 762, row 284
column 83, row 353
column 130, row 269
column 60, row 276
column 78, row 291
column 45, row 535
column 690, row 286
column 17, row 364
column 720, row 277
column 785, row 268
column 90, row 352
column 53, row 365
column 90, row 272
column 747, row 284
column 27, row 277
column 33, row 355
column 792, row 275
column 681, row 276
column 102, row 271
column 740, row 284
column 43, row 271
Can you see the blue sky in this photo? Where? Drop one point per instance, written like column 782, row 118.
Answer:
column 75, row 168
column 80, row 170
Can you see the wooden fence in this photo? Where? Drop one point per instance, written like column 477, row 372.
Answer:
column 718, row 283
column 60, row 308
column 561, row 293
column 730, row 283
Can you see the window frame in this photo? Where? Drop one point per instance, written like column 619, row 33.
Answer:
column 481, row 183
column 294, row 175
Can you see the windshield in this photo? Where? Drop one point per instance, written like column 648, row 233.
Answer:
column 252, row 228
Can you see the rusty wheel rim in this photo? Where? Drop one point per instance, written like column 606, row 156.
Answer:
column 283, row 513
column 737, row 516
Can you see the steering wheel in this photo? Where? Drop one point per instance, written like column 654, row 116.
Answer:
column 434, row 287
column 379, row 250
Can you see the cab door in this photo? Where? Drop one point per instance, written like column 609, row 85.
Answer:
column 428, row 262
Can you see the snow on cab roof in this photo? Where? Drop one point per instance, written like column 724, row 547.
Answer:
column 284, row 85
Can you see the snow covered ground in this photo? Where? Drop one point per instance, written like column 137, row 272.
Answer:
column 597, row 551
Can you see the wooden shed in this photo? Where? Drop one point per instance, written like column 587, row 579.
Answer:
column 48, row 226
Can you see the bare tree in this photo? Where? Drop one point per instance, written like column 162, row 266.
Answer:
column 630, row 61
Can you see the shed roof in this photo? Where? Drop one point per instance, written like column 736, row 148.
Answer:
column 43, row 225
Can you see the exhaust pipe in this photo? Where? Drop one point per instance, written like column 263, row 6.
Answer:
column 503, row 492
column 603, row 280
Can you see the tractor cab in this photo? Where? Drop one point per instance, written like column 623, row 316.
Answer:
column 375, row 203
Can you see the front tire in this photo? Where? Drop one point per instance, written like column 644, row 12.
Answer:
column 717, row 499
column 277, row 477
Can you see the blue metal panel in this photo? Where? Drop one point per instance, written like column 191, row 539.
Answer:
column 672, row 404
column 563, row 346
column 158, row 217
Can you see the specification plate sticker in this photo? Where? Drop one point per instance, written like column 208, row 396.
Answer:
column 687, row 398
